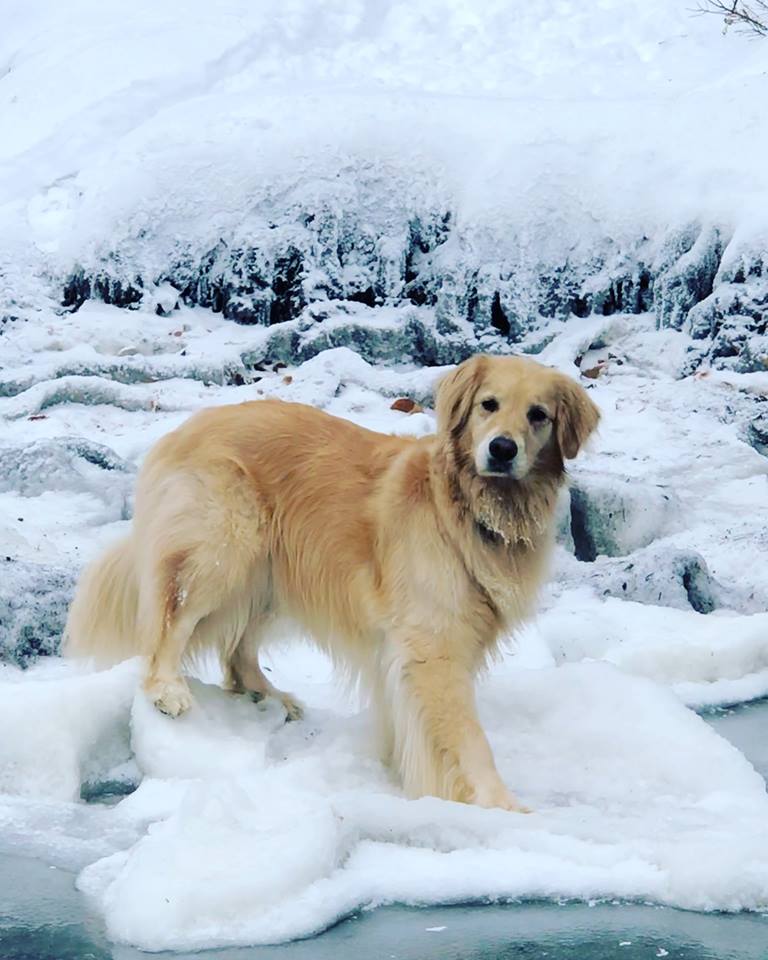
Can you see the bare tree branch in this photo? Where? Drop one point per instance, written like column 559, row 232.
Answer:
column 749, row 16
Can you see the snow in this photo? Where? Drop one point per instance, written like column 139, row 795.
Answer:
column 428, row 157
column 634, row 796
column 84, row 727
column 245, row 829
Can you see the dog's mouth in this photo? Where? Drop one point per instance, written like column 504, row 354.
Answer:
column 496, row 468
column 503, row 470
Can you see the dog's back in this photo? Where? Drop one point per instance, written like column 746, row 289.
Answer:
column 242, row 513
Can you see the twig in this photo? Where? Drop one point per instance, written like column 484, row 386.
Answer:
column 751, row 17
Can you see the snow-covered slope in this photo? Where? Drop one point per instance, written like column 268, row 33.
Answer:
column 494, row 168
column 357, row 189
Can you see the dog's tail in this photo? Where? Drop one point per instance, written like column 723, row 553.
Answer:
column 102, row 621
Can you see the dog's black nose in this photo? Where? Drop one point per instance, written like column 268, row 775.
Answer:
column 503, row 449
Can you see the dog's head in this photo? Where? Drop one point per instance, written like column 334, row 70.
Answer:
column 504, row 416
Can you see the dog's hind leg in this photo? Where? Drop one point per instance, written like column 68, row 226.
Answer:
column 189, row 601
column 201, row 540
column 168, row 620
column 243, row 673
column 240, row 661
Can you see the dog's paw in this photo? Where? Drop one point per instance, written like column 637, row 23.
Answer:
column 172, row 699
column 294, row 709
column 501, row 799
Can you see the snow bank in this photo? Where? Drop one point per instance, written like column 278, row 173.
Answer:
column 246, row 830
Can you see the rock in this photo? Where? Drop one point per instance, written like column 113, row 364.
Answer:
column 164, row 298
column 34, row 599
column 106, row 786
column 685, row 273
column 563, row 520
column 611, row 516
column 757, row 433
column 734, row 317
column 662, row 575
column 68, row 463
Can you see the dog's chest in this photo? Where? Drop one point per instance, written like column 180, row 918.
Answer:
column 508, row 577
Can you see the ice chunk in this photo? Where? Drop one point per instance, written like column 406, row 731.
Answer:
column 635, row 797
column 57, row 731
column 612, row 516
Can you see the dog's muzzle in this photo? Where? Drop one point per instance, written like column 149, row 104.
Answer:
column 500, row 455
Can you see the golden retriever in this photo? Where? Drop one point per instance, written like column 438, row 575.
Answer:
column 405, row 559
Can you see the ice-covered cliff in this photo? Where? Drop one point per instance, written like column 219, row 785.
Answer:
column 413, row 180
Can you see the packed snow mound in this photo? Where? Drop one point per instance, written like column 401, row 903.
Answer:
column 248, row 830
column 708, row 659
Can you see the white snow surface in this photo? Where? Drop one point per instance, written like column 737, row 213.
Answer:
column 245, row 829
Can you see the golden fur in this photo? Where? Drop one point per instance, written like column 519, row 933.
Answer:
column 406, row 559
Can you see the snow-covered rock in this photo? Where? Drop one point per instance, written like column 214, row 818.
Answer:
column 612, row 516
column 450, row 299
column 67, row 464
column 660, row 574
column 34, row 599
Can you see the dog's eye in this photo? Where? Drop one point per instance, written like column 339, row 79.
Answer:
column 490, row 404
column 537, row 415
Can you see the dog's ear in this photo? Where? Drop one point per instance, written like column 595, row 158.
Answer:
column 456, row 394
column 577, row 416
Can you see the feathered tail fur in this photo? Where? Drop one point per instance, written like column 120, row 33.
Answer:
column 102, row 621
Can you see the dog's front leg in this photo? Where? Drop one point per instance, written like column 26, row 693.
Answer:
column 437, row 743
